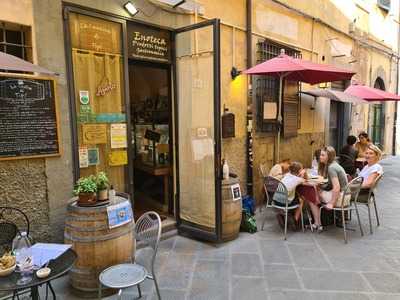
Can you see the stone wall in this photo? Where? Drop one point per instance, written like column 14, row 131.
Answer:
column 234, row 150
column 23, row 185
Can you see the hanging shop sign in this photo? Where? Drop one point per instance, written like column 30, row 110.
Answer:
column 147, row 43
column 28, row 117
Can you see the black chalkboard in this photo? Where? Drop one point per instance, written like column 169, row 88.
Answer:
column 28, row 117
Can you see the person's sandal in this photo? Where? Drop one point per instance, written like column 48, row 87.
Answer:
column 317, row 228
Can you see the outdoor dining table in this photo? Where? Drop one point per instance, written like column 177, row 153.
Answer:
column 58, row 266
column 308, row 190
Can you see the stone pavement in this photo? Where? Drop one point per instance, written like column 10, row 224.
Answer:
column 306, row 266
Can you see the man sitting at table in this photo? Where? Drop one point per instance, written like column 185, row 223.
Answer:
column 296, row 176
column 280, row 169
column 348, row 156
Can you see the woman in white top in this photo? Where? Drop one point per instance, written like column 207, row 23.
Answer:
column 371, row 171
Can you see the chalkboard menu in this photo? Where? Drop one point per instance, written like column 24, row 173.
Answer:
column 28, row 117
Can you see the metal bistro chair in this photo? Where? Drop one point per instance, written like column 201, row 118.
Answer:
column 270, row 185
column 12, row 222
column 349, row 202
column 148, row 233
column 367, row 198
column 263, row 174
column 281, row 196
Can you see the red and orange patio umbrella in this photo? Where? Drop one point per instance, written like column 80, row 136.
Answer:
column 370, row 94
column 287, row 67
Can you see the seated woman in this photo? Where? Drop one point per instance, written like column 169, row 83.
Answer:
column 280, row 169
column 333, row 190
column 291, row 180
column 371, row 171
column 362, row 144
column 348, row 156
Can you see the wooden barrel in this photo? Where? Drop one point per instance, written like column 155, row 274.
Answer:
column 97, row 246
column 231, row 211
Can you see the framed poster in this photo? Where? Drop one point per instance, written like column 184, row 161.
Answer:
column 236, row 193
column 28, row 117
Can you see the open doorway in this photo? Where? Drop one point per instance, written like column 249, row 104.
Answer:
column 151, row 117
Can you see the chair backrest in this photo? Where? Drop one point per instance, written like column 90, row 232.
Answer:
column 376, row 182
column 352, row 190
column 263, row 170
column 281, row 194
column 148, row 229
column 15, row 216
column 270, row 185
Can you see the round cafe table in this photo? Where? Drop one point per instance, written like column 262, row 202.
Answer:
column 58, row 266
column 308, row 191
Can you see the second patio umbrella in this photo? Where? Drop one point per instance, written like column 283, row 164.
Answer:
column 335, row 95
column 286, row 67
column 370, row 94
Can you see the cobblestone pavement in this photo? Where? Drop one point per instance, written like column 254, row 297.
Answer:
column 306, row 266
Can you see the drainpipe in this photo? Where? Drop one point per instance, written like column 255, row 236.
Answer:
column 397, row 92
column 249, row 136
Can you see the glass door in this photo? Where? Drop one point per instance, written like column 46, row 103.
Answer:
column 197, row 130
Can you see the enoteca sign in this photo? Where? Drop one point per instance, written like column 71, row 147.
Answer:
column 148, row 43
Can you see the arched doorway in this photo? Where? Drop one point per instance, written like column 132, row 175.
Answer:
column 377, row 117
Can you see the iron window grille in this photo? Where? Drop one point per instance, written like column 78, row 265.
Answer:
column 16, row 40
column 267, row 87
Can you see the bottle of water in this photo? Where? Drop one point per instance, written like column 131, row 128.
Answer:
column 23, row 253
column 111, row 195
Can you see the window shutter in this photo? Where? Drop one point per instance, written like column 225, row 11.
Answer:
column 384, row 4
column 290, row 109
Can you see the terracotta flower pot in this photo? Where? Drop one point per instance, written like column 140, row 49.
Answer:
column 86, row 198
column 102, row 195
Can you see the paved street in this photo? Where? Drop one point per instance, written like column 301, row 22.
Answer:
column 306, row 266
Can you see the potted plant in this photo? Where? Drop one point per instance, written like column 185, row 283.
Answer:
column 86, row 189
column 102, row 186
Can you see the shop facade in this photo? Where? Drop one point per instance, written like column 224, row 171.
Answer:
column 142, row 97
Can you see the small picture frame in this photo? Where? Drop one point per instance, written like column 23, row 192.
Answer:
column 236, row 193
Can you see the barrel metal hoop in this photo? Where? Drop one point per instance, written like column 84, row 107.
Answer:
column 87, row 229
column 97, row 238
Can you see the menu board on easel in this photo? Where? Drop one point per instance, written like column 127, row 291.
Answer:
column 28, row 117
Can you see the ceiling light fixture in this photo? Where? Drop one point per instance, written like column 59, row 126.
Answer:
column 130, row 8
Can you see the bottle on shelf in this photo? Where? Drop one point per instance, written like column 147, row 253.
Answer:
column 111, row 195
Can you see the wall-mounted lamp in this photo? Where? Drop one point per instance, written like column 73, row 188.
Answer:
column 130, row 8
column 235, row 73
column 178, row 3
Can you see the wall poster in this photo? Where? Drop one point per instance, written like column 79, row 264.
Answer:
column 118, row 136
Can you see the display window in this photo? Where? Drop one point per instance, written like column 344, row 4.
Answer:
column 101, row 122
